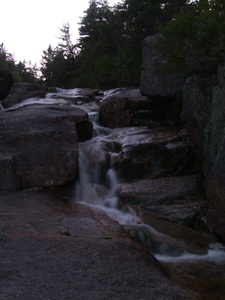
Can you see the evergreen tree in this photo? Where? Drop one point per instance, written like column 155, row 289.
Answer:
column 194, row 41
column 22, row 72
column 109, row 51
column 57, row 64
column 7, row 61
column 98, row 46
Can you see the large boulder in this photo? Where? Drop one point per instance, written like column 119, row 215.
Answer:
column 166, row 190
column 6, row 82
column 204, row 113
column 153, row 82
column 151, row 153
column 124, row 108
column 163, row 90
column 51, row 249
column 38, row 146
column 23, row 91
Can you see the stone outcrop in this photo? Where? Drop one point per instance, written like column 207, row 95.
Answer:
column 180, row 198
column 6, row 82
column 153, row 82
column 162, row 90
column 51, row 249
column 139, row 152
column 166, row 190
column 38, row 146
column 124, row 108
column 75, row 96
column 23, row 91
column 151, row 153
column 204, row 114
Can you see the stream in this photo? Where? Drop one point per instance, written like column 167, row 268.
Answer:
column 202, row 274
column 101, row 191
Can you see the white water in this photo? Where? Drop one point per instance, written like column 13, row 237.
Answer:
column 92, row 191
column 61, row 97
column 90, row 188
column 215, row 254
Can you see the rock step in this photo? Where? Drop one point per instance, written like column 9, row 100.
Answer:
column 39, row 145
column 54, row 250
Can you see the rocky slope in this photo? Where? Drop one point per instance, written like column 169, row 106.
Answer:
column 65, row 249
column 53, row 250
column 204, row 116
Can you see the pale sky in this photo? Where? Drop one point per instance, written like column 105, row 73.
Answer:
column 27, row 27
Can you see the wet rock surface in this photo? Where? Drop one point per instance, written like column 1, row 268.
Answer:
column 124, row 108
column 66, row 250
column 23, row 91
column 39, row 146
column 51, row 249
column 166, row 190
column 151, row 153
column 75, row 96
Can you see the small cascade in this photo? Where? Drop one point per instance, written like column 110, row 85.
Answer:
column 100, row 191
column 91, row 189
column 86, row 189
column 215, row 254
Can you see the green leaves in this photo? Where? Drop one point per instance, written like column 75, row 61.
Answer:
column 109, row 50
column 194, row 41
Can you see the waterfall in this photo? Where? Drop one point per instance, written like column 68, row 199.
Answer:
column 97, row 186
column 91, row 189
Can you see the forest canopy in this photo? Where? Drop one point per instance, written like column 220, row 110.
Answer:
column 22, row 71
column 108, row 52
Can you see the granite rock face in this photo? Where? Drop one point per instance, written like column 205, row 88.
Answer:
column 151, row 153
column 204, row 114
column 163, row 91
column 153, row 82
column 124, row 108
column 22, row 91
column 54, row 250
column 38, row 146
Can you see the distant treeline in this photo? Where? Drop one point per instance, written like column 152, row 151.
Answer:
column 108, row 53
column 22, row 71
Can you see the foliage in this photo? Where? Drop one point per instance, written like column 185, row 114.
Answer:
column 6, row 60
column 109, row 54
column 57, row 64
column 22, row 72
column 193, row 42
column 110, row 41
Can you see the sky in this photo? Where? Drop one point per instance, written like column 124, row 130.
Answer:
column 28, row 27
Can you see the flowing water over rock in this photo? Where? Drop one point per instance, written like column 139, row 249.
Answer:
column 108, row 164
column 98, row 186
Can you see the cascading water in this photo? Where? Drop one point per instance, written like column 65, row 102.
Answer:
column 96, row 188
column 93, row 190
